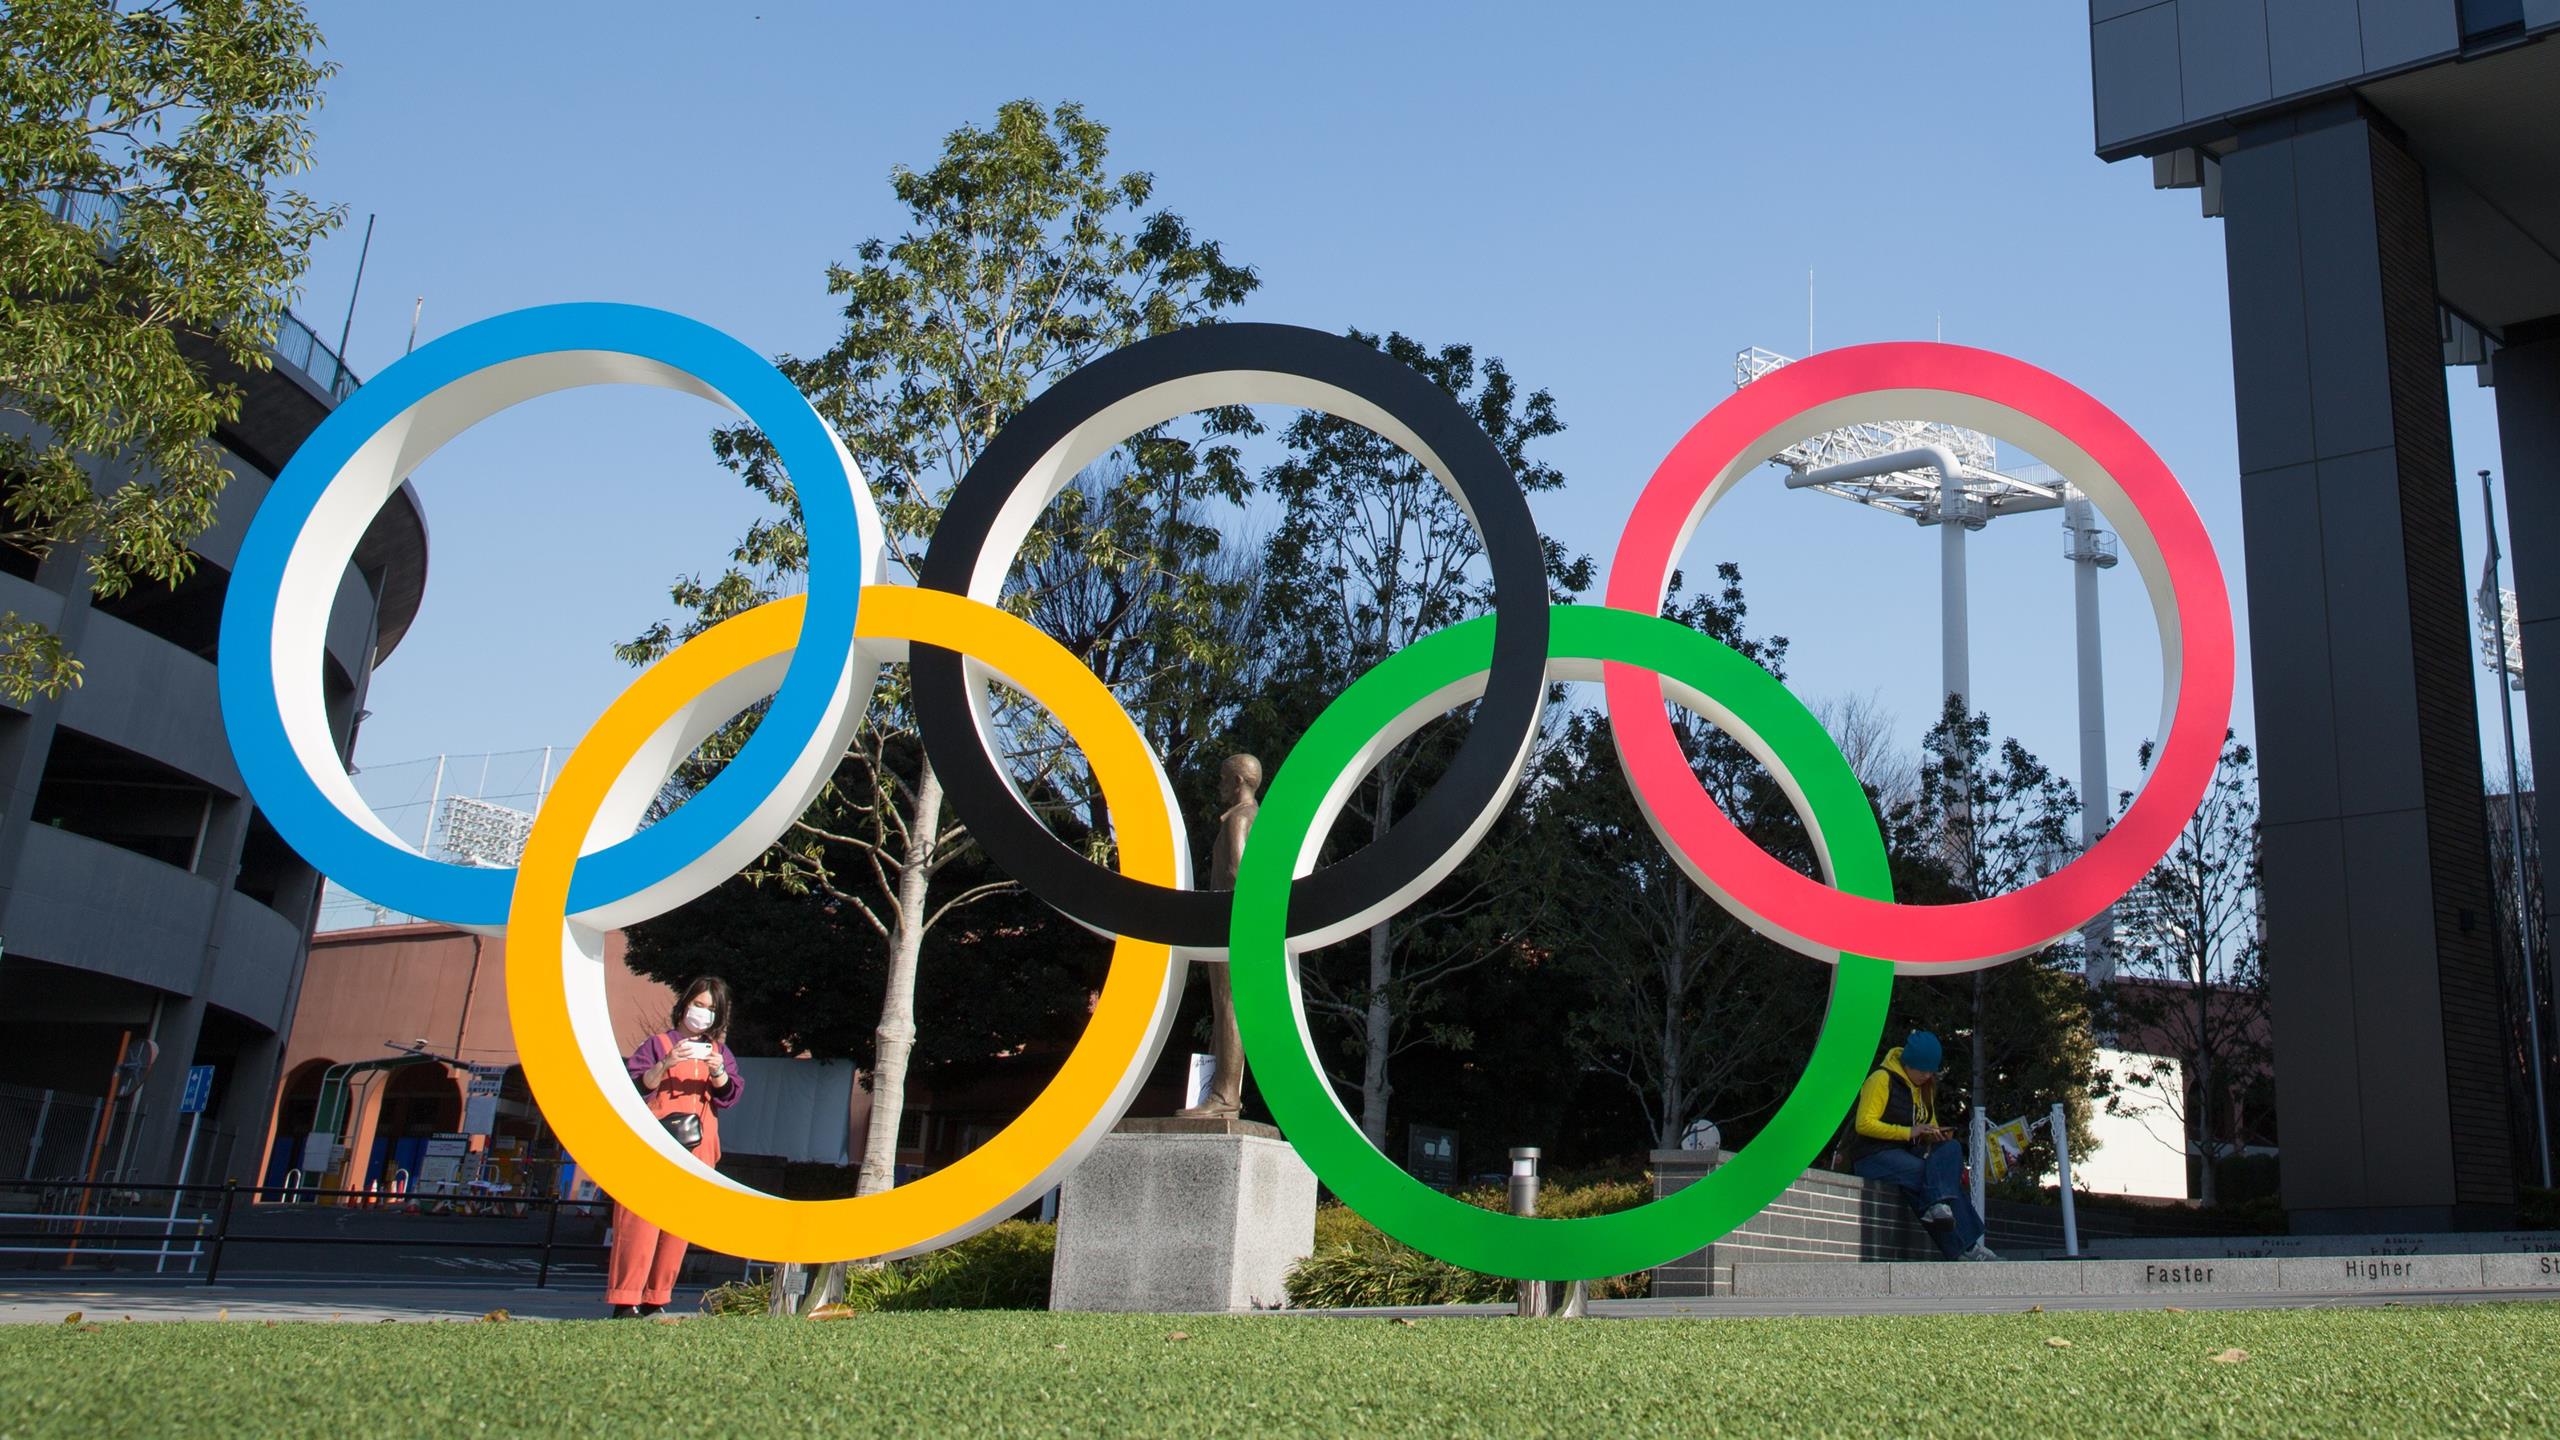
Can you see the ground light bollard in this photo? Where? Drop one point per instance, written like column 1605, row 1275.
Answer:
column 1540, row 1298
column 1524, row 1201
column 2062, row 1158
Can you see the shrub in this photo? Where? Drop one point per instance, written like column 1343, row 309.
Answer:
column 1005, row 1268
column 738, row 1297
column 1355, row 1265
column 2537, row 1208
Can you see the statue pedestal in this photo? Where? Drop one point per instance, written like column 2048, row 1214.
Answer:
column 1183, row 1216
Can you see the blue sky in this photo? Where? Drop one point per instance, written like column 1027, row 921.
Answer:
column 1613, row 206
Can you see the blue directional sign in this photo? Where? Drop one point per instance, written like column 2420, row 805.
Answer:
column 199, row 1090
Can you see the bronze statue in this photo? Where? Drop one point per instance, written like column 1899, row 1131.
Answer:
column 1239, row 789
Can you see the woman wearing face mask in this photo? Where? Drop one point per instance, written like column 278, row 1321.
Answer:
column 689, row 1076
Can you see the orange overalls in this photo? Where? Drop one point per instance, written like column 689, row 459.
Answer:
column 642, row 1269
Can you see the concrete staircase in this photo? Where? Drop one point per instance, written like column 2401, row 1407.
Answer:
column 1830, row 1216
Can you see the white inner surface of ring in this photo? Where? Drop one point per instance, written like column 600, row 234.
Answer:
column 1095, row 437
column 347, row 506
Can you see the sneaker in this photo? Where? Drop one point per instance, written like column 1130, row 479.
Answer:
column 649, row 1310
column 1939, row 1214
column 626, row 1312
column 1979, row 1251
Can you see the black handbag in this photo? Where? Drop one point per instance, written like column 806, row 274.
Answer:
column 686, row 1126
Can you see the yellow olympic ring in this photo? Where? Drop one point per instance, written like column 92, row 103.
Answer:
column 612, row 1134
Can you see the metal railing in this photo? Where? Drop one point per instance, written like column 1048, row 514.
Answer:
column 296, row 342
column 207, row 1226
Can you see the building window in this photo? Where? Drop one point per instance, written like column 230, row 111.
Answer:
column 129, row 801
column 187, row 614
column 266, row 863
column 2482, row 19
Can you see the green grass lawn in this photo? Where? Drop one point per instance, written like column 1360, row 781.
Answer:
column 2471, row 1370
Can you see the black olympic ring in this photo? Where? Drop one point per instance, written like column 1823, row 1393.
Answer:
column 1098, row 407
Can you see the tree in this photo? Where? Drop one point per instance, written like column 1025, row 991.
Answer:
column 1025, row 259
column 1370, row 554
column 1690, row 1010
column 1133, row 571
column 1863, row 729
column 147, row 244
column 2192, row 981
column 2524, row 935
column 1983, row 826
column 1009, row 975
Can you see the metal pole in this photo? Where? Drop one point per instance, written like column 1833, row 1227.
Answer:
column 1954, row 654
column 2062, row 1156
column 35, row 1143
column 186, row 1162
column 353, row 291
column 1981, row 1170
column 221, row 1232
column 550, row 1230
column 2095, row 797
column 2515, row 842
column 98, row 1148
column 1524, row 1201
column 435, row 792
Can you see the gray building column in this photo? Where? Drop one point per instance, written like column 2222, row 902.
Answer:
column 2528, row 378
column 2391, row 1085
column 23, row 747
column 161, row 1146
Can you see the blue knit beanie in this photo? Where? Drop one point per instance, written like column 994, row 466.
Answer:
column 1921, row 1051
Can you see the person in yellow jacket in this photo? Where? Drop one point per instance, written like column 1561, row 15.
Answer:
column 1894, row 1136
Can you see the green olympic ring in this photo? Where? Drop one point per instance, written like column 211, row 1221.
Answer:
column 1428, row 677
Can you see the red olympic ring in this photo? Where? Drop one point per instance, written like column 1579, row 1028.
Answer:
column 2093, row 449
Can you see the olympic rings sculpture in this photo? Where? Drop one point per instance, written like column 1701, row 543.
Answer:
column 589, row 864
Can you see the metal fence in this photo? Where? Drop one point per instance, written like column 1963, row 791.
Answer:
column 185, row 1229
column 51, row 1133
column 296, row 342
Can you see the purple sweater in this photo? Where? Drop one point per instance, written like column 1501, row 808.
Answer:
column 655, row 1048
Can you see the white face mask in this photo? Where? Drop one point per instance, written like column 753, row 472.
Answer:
column 698, row 1020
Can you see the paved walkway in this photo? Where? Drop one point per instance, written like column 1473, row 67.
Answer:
column 43, row 1302
column 28, row 1300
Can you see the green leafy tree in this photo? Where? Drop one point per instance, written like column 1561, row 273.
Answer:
column 2191, row 977
column 1985, row 823
column 149, row 251
column 1024, row 259
column 1690, row 1010
column 1371, row 554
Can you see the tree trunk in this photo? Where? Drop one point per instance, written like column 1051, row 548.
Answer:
column 1379, row 1025
column 896, row 1036
column 2203, row 1103
column 1668, row 1121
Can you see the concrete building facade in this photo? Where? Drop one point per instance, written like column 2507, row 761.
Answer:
column 2388, row 177
column 439, row 990
column 141, row 894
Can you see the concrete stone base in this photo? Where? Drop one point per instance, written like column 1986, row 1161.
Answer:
column 1183, row 1216
column 2165, row 1279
